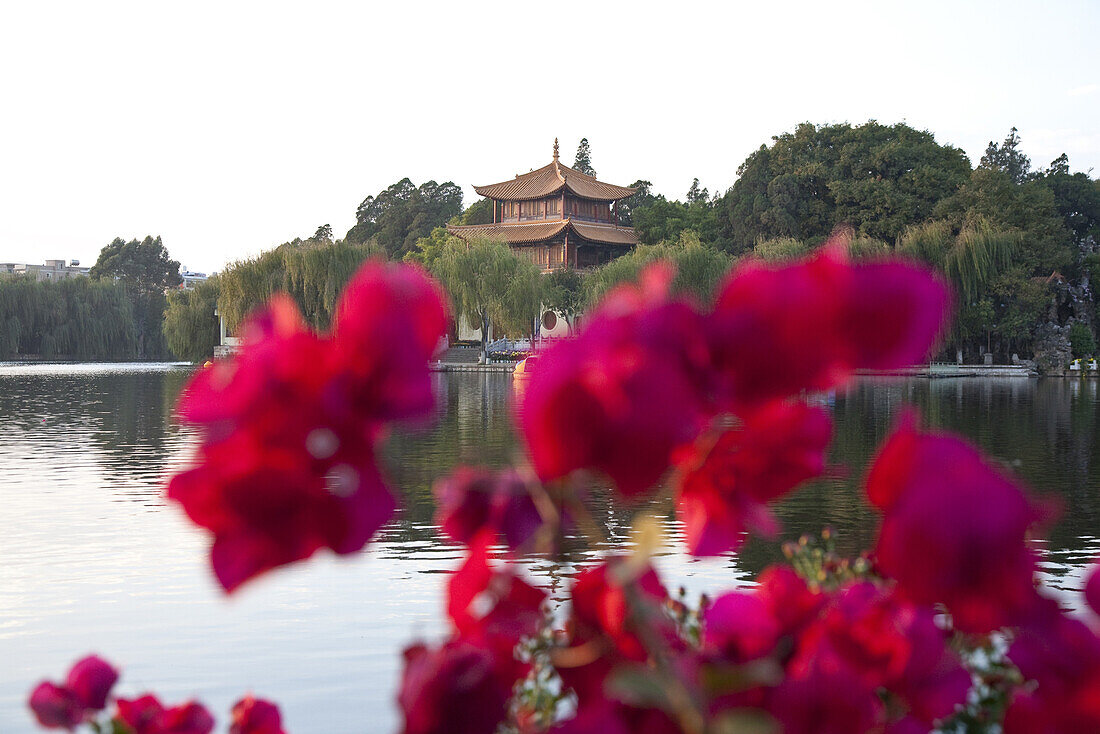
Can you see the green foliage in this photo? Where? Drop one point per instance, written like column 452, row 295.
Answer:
column 699, row 268
column 1077, row 199
column 583, row 160
column 969, row 259
column 641, row 198
column 779, row 249
column 480, row 212
column 1007, row 158
column 1081, row 340
column 313, row 272
column 397, row 217
column 696, row 194
column 146, row 271
column 878, row 179
column 428, row 249
column 75, row 318
column 662, row 220
column 563, row 292
column 487, row 282
column 190, row 326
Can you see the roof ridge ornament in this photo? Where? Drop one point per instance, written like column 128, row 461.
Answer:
column 555, row 148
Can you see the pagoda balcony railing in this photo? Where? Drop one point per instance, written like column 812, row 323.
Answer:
column 556, row 218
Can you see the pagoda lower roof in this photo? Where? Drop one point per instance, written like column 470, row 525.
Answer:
column 552, row 179
column 531, row 233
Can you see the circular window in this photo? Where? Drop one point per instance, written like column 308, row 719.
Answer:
column 549, row 320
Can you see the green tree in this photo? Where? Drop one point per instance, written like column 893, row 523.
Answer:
column 1077, row 199
column 642, row 197
column 876, row 178
column 480, row 212
column 312, row 272
column 428, row 249
column 699, row 268
column 190, row 326
column 563, row 292
column 488, row 283
column 696, row 194
column 1008, row 158
column 147, row 272
column 583, row 160
column 1082, row 341
column 779, row 249
column 75, row 318
column 397, row 217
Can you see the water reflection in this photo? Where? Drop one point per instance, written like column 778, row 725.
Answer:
column 94, row 559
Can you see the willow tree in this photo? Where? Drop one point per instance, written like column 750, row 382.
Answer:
column 76, row 318
column 488, row 283
column 563, row 292
column 978, row 263
column 699, row 268
column 190, row 326
column 312, row 272
column 970, row 259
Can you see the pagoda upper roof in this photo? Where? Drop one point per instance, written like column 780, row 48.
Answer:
column 550, row 180
column 529, row 233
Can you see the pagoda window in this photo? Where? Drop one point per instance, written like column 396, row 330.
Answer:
column 552, row 207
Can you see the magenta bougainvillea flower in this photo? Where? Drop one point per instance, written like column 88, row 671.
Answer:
column 253, row 715
column 954, row 529
column 457, row 688
column 388, row 324
column 287, row 465
column 622, row 396
column 55, row 707
column 84, row 692
column 820, row 702
column 1060, row 656
column 739, row 627
column 494, row 608
column 1092, row 589
column 147, row 715
column 614, row 606
column 778, row 330
column 725, row 485
column 886, row 642
column 463, row 685
column 471, row 500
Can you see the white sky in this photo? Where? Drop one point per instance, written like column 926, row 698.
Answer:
column 229, row 128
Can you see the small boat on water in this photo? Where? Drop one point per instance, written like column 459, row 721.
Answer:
column 522, row 373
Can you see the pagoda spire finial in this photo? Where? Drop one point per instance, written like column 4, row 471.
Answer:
column 555, row 148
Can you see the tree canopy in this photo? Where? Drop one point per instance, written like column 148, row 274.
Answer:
column 75, row 318
column 583, row 160
column 146, row 271
column 878, row 179
column 190, row 326
column 314, row 273
column 487, row 282
column 397, row 217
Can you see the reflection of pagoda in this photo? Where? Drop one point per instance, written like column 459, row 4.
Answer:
column 556, row 217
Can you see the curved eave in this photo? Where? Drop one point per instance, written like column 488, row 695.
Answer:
column 550, row 180
column 526, row 233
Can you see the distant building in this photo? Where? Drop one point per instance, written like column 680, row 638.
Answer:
column 50, row 270
column 191, row 278
column 556, row 217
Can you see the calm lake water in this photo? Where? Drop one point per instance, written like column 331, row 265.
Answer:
column 92, row 558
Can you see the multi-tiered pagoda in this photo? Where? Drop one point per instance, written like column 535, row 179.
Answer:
column 556, row 216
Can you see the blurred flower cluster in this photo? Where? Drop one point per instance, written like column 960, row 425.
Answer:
column 83, row 697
